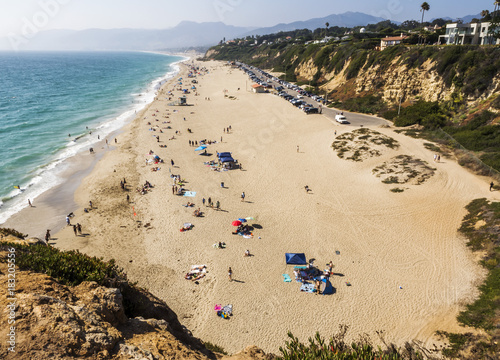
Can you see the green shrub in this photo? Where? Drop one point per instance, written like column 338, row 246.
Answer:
column 215, row 348
column 337, row 348
column 67, row 267
column 13, row 232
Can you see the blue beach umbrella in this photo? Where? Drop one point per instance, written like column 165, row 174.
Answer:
column 199, row 148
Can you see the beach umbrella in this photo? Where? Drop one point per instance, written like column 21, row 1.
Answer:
column 199, row 148
column 242, row 220
column 236, row 223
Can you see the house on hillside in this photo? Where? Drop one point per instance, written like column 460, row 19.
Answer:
column 391, row 41
column 468, row 34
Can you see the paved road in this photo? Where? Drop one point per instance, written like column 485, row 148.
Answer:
column 355, row 119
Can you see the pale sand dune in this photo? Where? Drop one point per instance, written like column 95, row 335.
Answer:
column 385, row 239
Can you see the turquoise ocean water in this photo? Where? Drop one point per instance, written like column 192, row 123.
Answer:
column 51, row 102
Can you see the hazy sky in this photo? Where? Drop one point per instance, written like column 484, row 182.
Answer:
column 17, row 15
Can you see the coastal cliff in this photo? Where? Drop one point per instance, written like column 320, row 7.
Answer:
column 465, row 76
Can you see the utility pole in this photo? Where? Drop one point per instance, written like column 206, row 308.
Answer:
column 399, row 108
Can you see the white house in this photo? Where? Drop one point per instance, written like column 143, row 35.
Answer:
column 391, row 41
column 464, row 34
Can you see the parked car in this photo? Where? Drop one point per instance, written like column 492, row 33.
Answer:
column 341, row 119
column 311, row 110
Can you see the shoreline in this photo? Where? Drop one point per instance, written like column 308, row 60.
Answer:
column 58, row 201
column 399, row 251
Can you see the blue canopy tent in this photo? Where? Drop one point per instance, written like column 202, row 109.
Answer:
column 295, row 259
column 224, row 154
column 326, row 287
column 226, row 159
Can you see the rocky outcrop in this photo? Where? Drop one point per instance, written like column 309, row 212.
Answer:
column 44, row 319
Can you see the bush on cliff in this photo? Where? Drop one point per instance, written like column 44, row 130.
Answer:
column 67, row 267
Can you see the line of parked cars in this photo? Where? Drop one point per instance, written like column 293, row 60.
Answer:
column 265, row 79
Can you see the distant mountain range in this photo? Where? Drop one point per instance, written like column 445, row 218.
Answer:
column 186, row 34
column 348, row 19
column 466, row 19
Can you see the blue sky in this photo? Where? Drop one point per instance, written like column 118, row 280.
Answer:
column 159, row 14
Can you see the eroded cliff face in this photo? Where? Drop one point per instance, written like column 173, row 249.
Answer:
column 394, row 83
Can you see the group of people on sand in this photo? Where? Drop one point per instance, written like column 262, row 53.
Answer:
column 145, row 188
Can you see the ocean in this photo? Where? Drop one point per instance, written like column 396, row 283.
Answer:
column 54, row 105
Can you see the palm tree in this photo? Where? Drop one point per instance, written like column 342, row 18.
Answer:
column 423, row 8
column 485, row 14
column 327, row 26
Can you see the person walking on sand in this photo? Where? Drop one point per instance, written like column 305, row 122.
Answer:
column 68, row 221
column 297, row 148
column 230, row 274
column 47, row 236
column 79, row 228
column 491, row 186
column 217, row 206
column 203, row 201
column 209, row 201
column 90, row 204
column 29, row 203
column 75, row 230
column 243, row 196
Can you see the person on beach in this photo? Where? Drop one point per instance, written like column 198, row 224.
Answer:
column 116, row 141
column 247, row 253
column 29, row 203
column 79, row 228
column 218, row 205
column 224, row 130
column 203, row 201
column 172, row 162
column 209, row 201
column 68, row 221
column 222, row 184
column 307, row 188
column 90, row 204
column 297, row 148
column 491, row 186
column 230, row 274
column 128, row 198
column 243, row 196
column 47, row 236
column 75, row 230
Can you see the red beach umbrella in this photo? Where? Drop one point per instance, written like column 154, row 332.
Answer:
column 236, row 223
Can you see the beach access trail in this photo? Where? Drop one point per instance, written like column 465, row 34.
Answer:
column 409, row 271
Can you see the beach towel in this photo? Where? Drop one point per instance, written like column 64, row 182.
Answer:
column 300, row 267
column 286, row 278
column 307, row 287
column 190, row 193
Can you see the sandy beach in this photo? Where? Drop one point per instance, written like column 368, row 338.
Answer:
column 409, row 271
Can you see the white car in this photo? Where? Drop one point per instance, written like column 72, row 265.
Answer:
column 341, row 119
